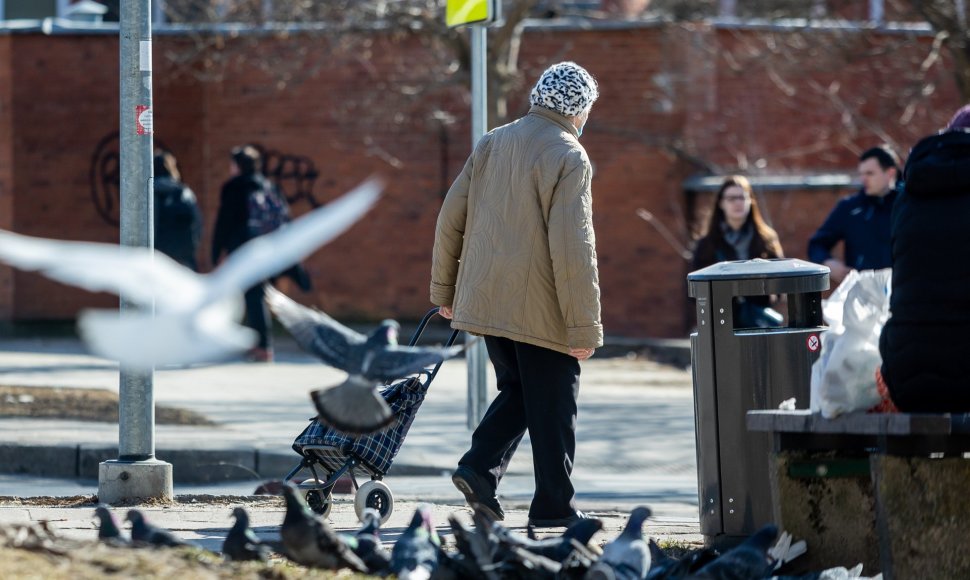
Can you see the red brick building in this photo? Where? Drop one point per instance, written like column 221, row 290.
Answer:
column 679, row 102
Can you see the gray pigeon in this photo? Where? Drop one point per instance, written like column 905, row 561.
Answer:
column 242, row 543
column 144, row 533
column 750, row 559
column 628, row 556
column 369, row 547
column 663, row 567
column 415, row 554
column 354, row 406
column 308, row 540
column 108, row 529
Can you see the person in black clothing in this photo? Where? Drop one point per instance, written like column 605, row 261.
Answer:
column 236, row 225
column 861, row 222
column 178, row 221
column 737, row 231
column 924, row 344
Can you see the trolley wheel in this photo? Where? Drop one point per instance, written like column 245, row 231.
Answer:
column 376, row 495
column 319, row 502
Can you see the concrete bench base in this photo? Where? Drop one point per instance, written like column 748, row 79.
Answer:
column 922, row 510
column 826, row 501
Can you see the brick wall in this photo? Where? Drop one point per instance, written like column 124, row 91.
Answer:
column 6, row 172
column 676, row 101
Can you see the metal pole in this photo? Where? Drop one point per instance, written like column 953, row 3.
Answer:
column 136, row 412
column 475, row 354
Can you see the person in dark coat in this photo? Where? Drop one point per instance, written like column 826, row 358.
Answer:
column 862, row 221
column 236, row 224
column 924, row 344
column 737, row 231
column 178, row 221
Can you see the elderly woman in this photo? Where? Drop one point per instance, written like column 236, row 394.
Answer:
column 925, row 342
column 736, row 231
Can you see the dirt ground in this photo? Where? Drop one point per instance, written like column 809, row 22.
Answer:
column 81, row 404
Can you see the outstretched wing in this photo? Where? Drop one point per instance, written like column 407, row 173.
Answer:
column 399, row 361
column 139, row 274
column 314, row 331
column 268, row 255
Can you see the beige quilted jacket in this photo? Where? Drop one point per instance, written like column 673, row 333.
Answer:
column 515, row 252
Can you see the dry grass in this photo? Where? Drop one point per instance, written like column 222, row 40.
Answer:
column 81, row 405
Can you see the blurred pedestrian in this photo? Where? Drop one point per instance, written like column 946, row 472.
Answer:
column 924, row 343
column 861, row 222
column 178, row 221
column 249, row 207
column 515, row 261
column 737, row 231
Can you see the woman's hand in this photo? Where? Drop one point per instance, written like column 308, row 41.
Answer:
column 581, row 353
column 445, row 312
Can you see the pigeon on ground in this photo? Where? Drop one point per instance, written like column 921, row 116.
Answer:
column 143, row 532
column 242, row 543
column 750, row 559
column 627, row 557
column 415, row 553
column 108, row 529
column 369, row 547
column 355, row 406
column 663, row 567
column 195, row 316
column 474, row 553
column 308, row 540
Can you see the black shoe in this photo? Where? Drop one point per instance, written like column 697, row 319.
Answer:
column 478, row 493
column 559, row 522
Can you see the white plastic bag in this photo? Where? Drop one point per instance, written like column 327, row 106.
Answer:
column 843, row 378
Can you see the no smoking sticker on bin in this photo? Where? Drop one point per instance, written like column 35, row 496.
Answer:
column 813, row 342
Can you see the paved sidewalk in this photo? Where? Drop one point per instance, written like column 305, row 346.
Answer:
column 635, row 432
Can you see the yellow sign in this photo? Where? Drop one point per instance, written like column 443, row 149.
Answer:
column 461, row 12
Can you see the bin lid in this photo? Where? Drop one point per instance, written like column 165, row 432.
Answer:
column 759, row 268
column 759, row 276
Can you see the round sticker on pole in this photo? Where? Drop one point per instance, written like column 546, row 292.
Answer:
column 813, row 342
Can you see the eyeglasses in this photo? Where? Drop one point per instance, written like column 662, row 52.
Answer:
column 730, row 198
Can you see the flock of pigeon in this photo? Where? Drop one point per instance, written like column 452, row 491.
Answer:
column 486, row 551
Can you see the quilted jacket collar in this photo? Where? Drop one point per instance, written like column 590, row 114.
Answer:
column 555, row 118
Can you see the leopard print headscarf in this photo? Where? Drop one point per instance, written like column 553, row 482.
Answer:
column 565, row 88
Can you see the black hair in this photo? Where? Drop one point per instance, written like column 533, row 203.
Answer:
column 247, row 159
column 885, row 156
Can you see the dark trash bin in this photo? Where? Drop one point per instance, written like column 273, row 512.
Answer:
column 739, row 369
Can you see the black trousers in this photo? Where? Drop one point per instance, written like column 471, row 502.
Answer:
column 257, row 314
column 537, row 392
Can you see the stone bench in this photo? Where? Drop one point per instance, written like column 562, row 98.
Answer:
column 889, row 490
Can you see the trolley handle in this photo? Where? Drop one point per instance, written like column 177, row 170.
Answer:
column 420, row 330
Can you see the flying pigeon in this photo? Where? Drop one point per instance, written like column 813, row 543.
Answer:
column 145, row 533
column 628, row 556
column 369, row 547
column 750, row 559
column 108, row 529
column 242, row 543
column 415, row 553
column 195, row 316
column 308, row 540
column 355, row 406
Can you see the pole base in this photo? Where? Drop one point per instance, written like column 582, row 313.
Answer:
column 134, row 480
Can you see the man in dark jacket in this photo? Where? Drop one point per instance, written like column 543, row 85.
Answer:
column 178, row 221
column 245, row 213
column 861, row 222
column 924, row 344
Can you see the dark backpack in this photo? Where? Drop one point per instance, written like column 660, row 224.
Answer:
column 267, row 211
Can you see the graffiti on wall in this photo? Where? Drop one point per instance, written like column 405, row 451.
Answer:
column 294, row 176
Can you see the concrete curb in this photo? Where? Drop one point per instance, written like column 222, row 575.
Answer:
column 190, row 466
